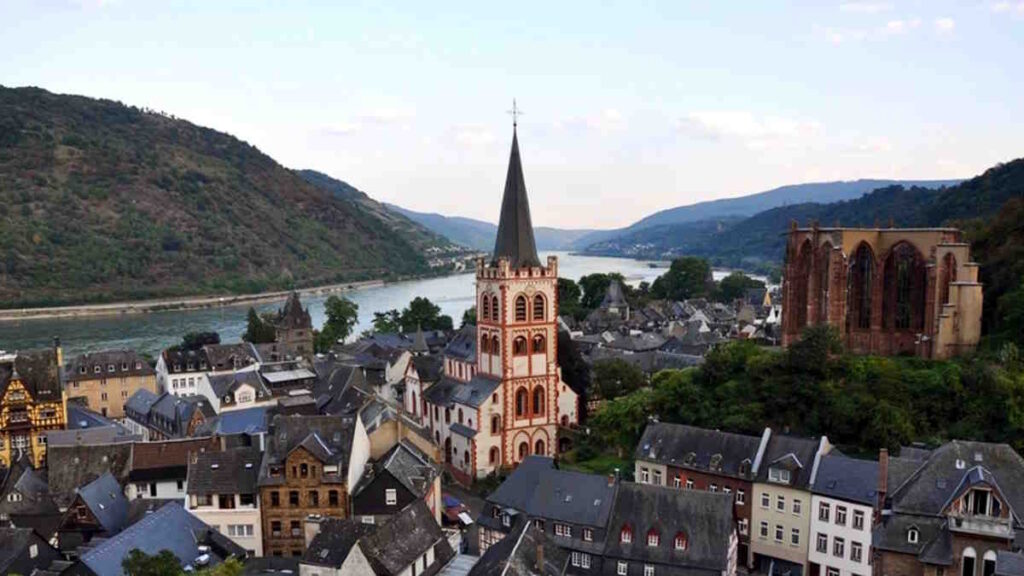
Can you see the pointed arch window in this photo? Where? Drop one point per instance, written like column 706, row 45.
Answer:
column 538, row 448
column 520, row 308
column 538, row 308
column 485, row 307
column 524, row 450
column 495, row 345
column 539, row 344
column 485, row 344
column 859, row 286
column 493, row 457
column 495, row 424
column 495, row 313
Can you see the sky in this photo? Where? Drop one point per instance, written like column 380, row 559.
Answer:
column 629, row 107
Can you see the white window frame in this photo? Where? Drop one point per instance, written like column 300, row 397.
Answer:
column 622, row 568
column 741, row 497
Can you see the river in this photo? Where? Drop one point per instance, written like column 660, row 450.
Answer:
column 150, row 333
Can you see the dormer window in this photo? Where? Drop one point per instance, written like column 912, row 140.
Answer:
column 124, row 366
column 653, row 538
column 138, row 365
column 960, row 464
column 688, row 460
column 81, row 369
column 779, row 475
column 716, row 462
column 744, row 468
column 177, row 367
column 626, row 535
column 97, row 369
column 982, row 503
column 913, row 535
column 111, row 367
column 191, row 366
column 681, row 542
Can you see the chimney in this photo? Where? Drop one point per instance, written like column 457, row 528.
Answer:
column 540, row 557
column 883, row 479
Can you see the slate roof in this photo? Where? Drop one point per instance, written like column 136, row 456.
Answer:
column 847, row 479
column 516, row 554
column 462, row 430
column 293, row 315
column 231, row 356
column 891, row 534
column 34, row 491
column 105, row 499
column 69, row 467
column 167, row 413
column 15, row 541
column 517, row 490
column 408, row 465
column 781, row 450
column 405, row 537
column 167, row 459
column 245, row 421
column 141, row 402
column 693, row 448
column 225, row 385
column 515, row 230
column 450, row 391
column 428, row 368
column 339, row 388
column 169, row 528
column 126, row 363
column 142, row 507
column 332, row 442
column 270, row 566
column 178, row 361
column 419, row 343
column 38, row 372
column 1009, row 563
column 463, row 345
column 706, row 518
column 331, row 546
column 928, row 490
column 233, row 471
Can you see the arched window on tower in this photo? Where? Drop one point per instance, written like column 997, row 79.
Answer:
column 485, row 307
column 494, row 455
column 520, row 308
column 524, row 450
column 495, row 424
column 522, row 402
column 905, row 281
column 860, row 280
column 538, row 448
column 495, row 345
column 538, row 401
column 485, row 344
column 538, row 344
column 538, row 308
column 495, row 313
column 519, row 346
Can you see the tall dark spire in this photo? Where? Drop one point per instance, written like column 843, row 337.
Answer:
column 515, row 230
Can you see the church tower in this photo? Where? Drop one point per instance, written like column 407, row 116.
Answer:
column 517, row 330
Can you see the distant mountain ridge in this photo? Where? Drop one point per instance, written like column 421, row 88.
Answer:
column 757, row 242
column 100, row 201
column 480, row 235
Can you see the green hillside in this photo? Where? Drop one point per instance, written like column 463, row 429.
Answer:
column 100, row 201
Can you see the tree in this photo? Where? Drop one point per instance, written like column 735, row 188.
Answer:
column 258, row 330
column 575, row 371
column 388, row 321
column 620, row 422
column 138, row 563
column 569, row 299
column 469, row 316
column 735, row 286
column 422, row 313
column 616, row 377
column 342, row 315
column 196, row 340
column 687, row 277
column 594, row 287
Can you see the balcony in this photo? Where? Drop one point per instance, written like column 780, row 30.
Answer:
column 981, row 525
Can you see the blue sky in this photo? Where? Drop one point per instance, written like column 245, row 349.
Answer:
column 630, row 107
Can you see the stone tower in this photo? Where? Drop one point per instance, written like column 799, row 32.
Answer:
column 517, row 330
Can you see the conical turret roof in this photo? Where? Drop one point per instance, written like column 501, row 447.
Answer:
column 515, row 230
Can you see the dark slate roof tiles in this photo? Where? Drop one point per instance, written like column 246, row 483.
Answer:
column 515, row 239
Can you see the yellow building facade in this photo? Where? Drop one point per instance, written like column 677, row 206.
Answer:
column 31, row 403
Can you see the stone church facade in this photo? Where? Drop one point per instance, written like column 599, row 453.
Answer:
column 889, row 291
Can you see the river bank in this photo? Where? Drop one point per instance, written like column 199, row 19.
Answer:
column 175, row 304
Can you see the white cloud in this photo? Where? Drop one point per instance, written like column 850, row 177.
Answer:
column 896, row 26
column 1003, row 7
column 607, row 119
column 473, row 136
column 944, row 25
column 752, row 130
column 865, row 7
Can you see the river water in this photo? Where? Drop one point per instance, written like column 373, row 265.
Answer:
column 151, row 333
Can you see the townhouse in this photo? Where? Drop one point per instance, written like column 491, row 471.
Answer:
column 165, row 416
column 223, row 492
column 160, row 469
column 845, row 496
column 32, row 402
column 400, row 477
column 781, row 508
column 693, row 458
column 105, row 380
column 182, row 372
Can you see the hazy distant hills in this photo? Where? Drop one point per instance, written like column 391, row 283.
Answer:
column 480, row 235
column 758, row 242
column 100, row 201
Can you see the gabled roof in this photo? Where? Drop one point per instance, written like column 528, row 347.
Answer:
column 15, row 541
column 403, row 538
column 463, row 344
column 696, row 449
column 293, row 315
column 245, row 421
column 705, row 518
column 69, row 467
column 515, row 230
column 516, row 554
column 177, row 360
column 517, row 490
column 326, row 437
column 847, row 479
column 38, row 372
column 233, row 471
column 332, row 545
column 126, row 363
column 429, row 368
column 105, row 499
column 231, row 356
column 225, row 385
column 450, row 391
column 792, row 453
column 167, row 459
column 931, row 486
column 169, row 528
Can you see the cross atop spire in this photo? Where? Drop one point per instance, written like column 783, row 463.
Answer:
column 516, row 113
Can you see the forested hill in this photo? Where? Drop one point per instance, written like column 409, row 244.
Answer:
column 758, row 242
column 100, row 201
